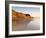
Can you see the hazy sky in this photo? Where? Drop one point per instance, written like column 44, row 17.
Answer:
column 34, row 11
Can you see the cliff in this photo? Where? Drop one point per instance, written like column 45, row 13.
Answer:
column 20, row 16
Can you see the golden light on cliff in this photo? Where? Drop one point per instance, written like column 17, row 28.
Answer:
column 20, row 16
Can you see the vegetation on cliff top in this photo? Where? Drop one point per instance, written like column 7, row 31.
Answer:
column 20, row 16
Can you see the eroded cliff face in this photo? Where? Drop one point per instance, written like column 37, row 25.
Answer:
column 20, row 16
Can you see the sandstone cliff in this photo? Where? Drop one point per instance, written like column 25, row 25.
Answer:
column 20, row 16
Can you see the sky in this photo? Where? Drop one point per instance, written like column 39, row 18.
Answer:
column 33, row 11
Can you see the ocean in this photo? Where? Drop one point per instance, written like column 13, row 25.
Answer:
column 22, row 25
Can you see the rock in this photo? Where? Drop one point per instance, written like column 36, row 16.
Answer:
column 20, row 16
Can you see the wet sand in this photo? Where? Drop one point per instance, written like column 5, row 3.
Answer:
column 26, row 25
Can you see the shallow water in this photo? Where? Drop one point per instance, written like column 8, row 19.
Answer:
column 26, row 25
